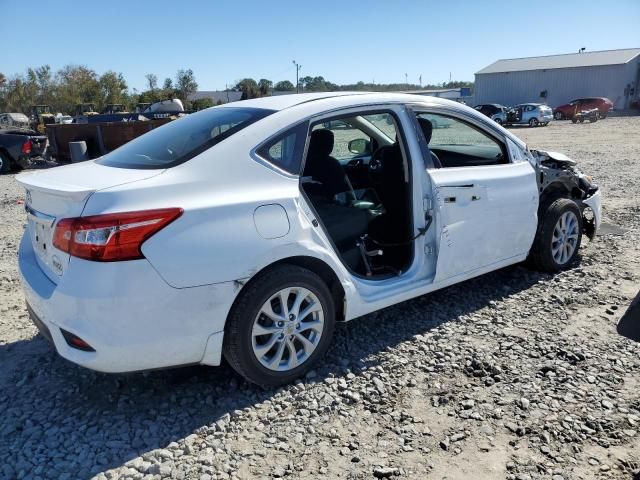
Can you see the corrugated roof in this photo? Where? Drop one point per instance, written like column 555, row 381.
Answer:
column 568, row 60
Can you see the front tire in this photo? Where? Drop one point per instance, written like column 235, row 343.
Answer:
column 559, row 235
column 5, row 163
column 558, row 116
column 280, row 326
column 533, row 122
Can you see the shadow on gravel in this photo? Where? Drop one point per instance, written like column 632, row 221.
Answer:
column 91, row 422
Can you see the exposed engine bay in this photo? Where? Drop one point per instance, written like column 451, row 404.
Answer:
column 557, row 176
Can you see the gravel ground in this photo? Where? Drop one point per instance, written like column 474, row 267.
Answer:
column 516, row 375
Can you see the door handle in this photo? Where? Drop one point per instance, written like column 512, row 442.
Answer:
column 475, row 198
column 449, row 199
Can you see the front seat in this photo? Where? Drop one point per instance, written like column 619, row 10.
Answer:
column 427, row 130
column 328, row 177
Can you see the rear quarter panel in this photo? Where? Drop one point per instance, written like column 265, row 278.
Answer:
column 216, row 239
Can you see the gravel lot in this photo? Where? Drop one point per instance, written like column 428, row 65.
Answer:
column 516, row 375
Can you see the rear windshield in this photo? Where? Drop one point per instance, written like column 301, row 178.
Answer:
column 182, row 139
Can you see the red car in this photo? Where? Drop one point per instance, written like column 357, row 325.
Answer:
column 568, row 110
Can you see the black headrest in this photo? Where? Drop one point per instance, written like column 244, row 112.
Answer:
column 427, row 128
column 321, row 143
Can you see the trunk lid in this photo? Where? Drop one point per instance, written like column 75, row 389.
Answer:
column 62, row 192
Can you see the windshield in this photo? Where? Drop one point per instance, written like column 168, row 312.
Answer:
column 182, row 139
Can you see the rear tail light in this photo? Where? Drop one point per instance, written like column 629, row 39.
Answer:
column 26, row 147
column 112, row 237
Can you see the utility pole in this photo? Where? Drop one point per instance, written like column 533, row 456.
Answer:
column 420, row 80
column 298, row 68
column 406, row 79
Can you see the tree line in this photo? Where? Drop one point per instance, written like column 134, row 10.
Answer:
column 76, row 84
column 251, row 88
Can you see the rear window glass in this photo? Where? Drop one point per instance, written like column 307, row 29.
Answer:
column 182, row 139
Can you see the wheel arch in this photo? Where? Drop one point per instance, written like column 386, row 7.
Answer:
column 558, row 189
column 315, row 265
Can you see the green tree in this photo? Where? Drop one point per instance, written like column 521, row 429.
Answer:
column 284, row 86
column 317, row 84
column 40, row 81
column 185, row 85
column 201, row 103
column 152, row 81
column 168, row 84
column 113, row 89
column 76, row 84
column 264, row 86
column 248, row 87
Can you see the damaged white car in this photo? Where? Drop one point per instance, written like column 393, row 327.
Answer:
column 248, row 230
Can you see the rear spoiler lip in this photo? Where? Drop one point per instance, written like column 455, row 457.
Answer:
column 59, row 189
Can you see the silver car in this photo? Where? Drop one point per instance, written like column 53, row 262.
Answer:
column 532, row 114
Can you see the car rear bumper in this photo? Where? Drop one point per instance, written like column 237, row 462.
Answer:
column 127, row 313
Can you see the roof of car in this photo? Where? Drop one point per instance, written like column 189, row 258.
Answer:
column 281, row 102
column 21, row 117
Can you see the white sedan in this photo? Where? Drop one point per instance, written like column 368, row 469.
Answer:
column 249, row 229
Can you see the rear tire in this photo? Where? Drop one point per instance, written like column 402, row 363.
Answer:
column 558, row 237
column 267, row 359
column 574, row 120
column 5, row 163
column 558, row 116
column 603, row 115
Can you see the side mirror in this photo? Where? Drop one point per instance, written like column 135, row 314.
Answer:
column 359, row 146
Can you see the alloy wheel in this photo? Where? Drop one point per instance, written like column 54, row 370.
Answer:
column 565, row 238
column 287, row 329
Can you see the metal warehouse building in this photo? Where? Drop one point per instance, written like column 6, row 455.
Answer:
column 558, row 79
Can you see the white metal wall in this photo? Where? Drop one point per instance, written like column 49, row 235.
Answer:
column 562, row 85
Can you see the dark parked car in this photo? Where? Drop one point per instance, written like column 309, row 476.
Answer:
column 494, row 111
column 569, row 110
column 18, row 146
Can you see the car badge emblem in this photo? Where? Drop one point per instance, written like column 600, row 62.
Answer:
column 57, row 265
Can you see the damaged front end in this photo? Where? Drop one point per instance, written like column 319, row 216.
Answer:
column 558, row 177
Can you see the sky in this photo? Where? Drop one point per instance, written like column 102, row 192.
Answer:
column 344, row 41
